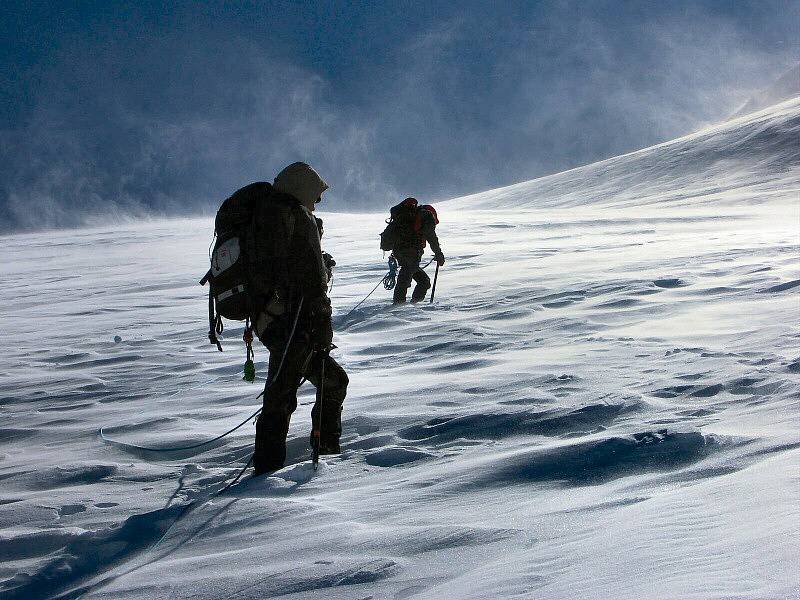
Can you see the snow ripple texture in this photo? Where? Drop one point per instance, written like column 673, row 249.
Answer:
column 602, row 402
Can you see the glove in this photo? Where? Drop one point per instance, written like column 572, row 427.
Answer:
column 439, row 258
column 318, row 307
column 322, row 334
column 329, row 264
column 321, row 328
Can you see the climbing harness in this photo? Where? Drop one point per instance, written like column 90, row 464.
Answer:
column 285, row 351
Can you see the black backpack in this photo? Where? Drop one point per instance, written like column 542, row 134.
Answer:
column 389, row 236
column 401, row 219
column 248, row 263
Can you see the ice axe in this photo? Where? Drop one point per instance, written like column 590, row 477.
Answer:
column 435, row 277
column 316, row 424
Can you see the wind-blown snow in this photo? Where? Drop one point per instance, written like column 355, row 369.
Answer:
column 602, row 401
column 759, row 153
column 784, row 88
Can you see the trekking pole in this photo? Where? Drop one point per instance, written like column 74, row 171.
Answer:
column 317, row 426
column 435, row 277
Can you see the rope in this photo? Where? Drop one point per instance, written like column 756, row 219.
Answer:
column 219, row 437
column 285, row 351
column 235, row 479
column 177, row 448
column 197, row 502
column 389, row 281
column 365, row 298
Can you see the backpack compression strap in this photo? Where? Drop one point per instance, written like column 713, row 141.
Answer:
column 214, row 321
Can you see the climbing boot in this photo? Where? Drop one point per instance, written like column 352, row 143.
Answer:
column 419, row 293
column 327, row 445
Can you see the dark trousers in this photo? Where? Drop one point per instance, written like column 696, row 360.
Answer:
column 280, row 401
column 409, row 270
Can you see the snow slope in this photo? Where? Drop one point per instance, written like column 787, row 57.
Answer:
column 758, row 152
column 602, row 402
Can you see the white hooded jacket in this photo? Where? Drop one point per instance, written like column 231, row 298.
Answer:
column 302, row 182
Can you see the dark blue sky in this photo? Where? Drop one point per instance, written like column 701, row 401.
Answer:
column 133, row 108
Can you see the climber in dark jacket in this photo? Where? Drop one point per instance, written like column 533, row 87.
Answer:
column 301, row 303
column 416, row 226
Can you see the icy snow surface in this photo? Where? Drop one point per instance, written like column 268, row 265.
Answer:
column 602, row 402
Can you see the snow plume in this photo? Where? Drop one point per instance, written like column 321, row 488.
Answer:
column 170, row 117
column 785, row 87
column 180, row 139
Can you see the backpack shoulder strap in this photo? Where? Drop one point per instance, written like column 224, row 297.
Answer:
column 418, row 221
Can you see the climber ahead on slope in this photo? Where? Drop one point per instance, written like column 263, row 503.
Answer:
column 410, row 227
